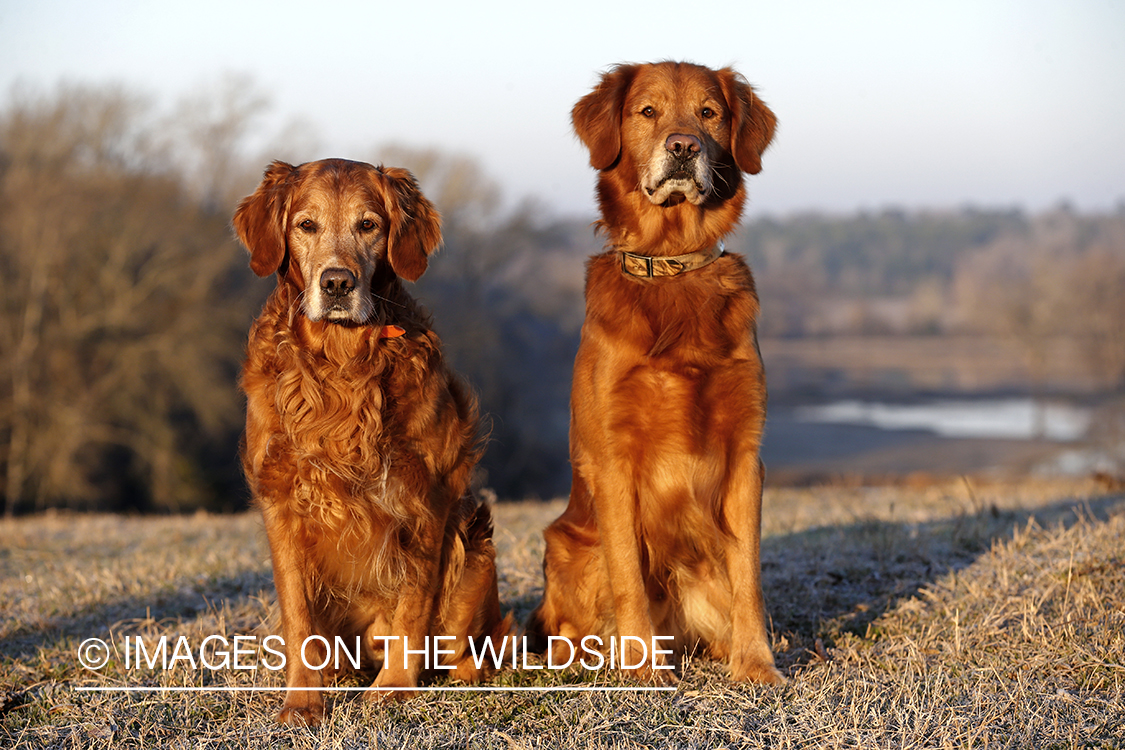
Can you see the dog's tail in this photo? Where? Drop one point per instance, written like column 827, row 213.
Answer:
column 478, row 538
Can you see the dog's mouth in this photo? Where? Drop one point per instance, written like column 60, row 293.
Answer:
column 347, row 310
column 676, row 188
column 675, row 179
column 338, row 313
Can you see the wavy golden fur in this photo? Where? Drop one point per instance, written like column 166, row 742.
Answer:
column 359, row 440
column 661, row 534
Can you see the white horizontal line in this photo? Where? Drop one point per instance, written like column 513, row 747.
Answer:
column 482, row 689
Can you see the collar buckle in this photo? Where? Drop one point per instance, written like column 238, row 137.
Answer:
column 648, row 266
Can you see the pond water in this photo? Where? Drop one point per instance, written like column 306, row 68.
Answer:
column 1009, row 418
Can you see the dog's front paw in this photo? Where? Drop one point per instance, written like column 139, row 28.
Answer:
column 755, row 670
column 307, row 713
column 390, row 687
column 655, row 672
column 662, row 677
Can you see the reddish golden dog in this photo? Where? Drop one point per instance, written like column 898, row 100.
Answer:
column 359, row 441
column 661, row 535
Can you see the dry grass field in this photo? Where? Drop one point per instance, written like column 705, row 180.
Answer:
column 960, row 614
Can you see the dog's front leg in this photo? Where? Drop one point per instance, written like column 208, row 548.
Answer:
column 750, row 655
column 409, row 649
column 303, row 702
column 615, row 502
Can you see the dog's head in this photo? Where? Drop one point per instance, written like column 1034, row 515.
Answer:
column 328, row 226
column 683, row 131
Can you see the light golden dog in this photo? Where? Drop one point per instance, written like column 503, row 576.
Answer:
column 359, row 440
column 661, row 535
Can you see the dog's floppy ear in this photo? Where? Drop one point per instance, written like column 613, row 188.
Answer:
column 597, row 116
column 415, row 225
column 261, row 217
column 752, row 122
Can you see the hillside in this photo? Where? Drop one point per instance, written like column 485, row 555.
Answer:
column 949, row 615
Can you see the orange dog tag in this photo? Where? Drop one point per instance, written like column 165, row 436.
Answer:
column 391, row 332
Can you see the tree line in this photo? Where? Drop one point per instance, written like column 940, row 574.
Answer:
column 1030, row 279
column 127, row 300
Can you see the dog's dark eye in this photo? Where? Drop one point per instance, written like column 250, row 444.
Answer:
column 308, row 225
column 648, row 111
column 707, row 113
column 366, row 225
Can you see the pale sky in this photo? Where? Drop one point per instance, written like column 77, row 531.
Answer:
column 993, row 103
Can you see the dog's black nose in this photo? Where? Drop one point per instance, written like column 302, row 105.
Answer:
column 336, row 282
column 682, row 144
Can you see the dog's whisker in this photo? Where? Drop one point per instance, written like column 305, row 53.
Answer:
column 387, row 299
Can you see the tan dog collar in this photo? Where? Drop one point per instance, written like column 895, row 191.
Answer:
column 647, row 266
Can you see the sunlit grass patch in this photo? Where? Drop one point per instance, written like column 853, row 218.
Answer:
column 951, row 615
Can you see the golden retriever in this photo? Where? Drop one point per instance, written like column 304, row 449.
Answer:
column 661, row 534
column 359, row 440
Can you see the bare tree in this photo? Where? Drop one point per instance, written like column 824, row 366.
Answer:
column 118, row 338
column 1065, row 277
column 1096, row 280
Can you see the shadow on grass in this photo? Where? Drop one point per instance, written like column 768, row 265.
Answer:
column 184, row 600
column 823, row 582
column 819, row 583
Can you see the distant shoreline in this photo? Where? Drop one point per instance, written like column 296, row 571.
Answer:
column 892, row 366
